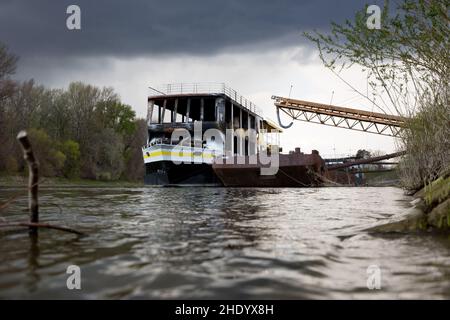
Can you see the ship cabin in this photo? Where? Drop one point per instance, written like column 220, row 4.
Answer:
column 179, row 117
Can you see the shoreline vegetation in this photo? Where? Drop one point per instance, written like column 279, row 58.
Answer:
column 388, row 179
column 407, row 64
column 80, row 132
column 430, row 210
column 20, row 181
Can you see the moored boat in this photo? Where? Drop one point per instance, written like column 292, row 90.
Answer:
column 295, row 169
column 208, row 134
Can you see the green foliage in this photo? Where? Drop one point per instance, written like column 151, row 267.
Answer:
column 8, row 62
column 437, row 191
column 363, row 154
column 134, row 170
column 71, row 150
column 426, row 140
column 107, row 159
column 59, row 159
column 51, row 160
column 117, row 116
column 83, row 131
column 11, row 165
column 407, row 61
column 403, row 59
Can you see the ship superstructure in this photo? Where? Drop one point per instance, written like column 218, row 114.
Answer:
column 190, row 126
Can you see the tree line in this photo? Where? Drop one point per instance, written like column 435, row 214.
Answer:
column 407, row 62
column 80, row 132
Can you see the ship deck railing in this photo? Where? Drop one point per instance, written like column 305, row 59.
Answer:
column 204, row 88
column 180, row 153
column 173, row 145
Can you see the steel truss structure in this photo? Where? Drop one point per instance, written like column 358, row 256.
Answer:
column 354, row 119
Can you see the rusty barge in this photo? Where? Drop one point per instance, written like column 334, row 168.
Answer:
column 295, row 169
column 209, row 135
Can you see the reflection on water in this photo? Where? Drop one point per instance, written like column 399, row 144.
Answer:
column 220, row 243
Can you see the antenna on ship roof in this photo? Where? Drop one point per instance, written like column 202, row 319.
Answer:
column 290, row 90
column 157, row 90
column 332, row 95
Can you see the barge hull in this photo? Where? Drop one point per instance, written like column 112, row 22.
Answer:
column 294, row 170
column 286, row 177
column 167, row 173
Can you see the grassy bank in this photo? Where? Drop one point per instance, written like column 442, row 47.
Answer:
column 430, row 210
column 382, row 179
column 21, row 181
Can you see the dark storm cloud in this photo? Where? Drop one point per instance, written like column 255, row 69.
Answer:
column 37, row 28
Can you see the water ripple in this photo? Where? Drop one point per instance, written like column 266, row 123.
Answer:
column 220, row 243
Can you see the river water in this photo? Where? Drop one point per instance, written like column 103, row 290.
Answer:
column 215, row 243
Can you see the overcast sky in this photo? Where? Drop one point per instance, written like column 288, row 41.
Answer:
column 256, row 47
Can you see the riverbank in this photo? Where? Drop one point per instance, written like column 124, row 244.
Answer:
column 430, row 210
column 377, row 179
column 21, row 181
column 382, row 179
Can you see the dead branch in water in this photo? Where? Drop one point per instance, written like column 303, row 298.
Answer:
column 33, row 167
column 33, row 188
column 39, row 225
column 8, row 202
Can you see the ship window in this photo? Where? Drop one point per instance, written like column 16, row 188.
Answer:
column 154, row 117
column 194, row 113
column 181, row 110
column 167, row 116
column 210, row 110
column 244, row 120
column 252, row 122
column 228, row 113
column 236, row 121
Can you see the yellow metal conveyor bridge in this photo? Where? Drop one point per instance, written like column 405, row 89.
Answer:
column 354, row 119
